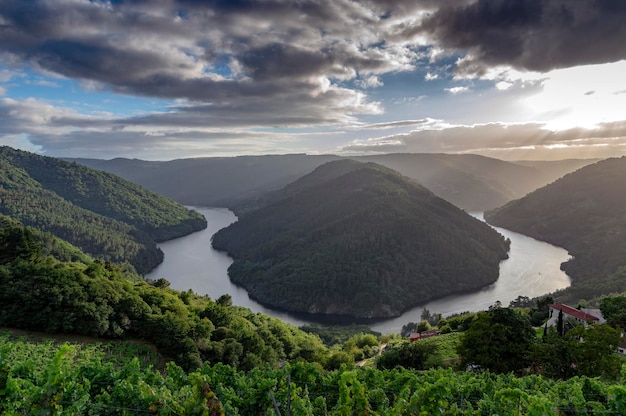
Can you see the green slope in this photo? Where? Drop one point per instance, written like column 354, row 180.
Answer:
column 361, row 240
column 106, row 216
column 40, row 292
column 584, row 212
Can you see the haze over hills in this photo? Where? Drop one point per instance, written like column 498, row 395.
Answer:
column 555, row 169
column 212, row 181
column 104, row 215
column 474, row 183
column 584, row 212
column 358, row 239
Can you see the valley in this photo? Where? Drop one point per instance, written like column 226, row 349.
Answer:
column 190, row 262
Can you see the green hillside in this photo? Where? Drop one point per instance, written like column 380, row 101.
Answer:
column 584, row 212
column 105, row 215
column 361, row 240
column 40, row 292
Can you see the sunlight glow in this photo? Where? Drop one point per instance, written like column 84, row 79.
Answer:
column 581, row 96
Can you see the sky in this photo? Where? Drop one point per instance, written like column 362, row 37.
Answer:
column 169, row 79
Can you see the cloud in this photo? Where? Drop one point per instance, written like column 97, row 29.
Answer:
column 369, row 82
column 515, row 141
column 229, row 58
column 457, row 90
column 393, row 124
column 229, row 69
column 59, row 131
column 529, row 34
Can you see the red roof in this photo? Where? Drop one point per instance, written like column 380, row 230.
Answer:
column 574, row 312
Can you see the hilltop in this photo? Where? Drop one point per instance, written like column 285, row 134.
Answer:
column 358, row 239
column 471, row 182
column 104, row 215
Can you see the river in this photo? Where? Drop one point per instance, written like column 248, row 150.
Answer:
column 532, row 269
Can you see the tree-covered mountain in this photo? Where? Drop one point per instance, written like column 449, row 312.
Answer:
column 584, row 212
column 474, row 183
column 105, row 215
column 358, row 239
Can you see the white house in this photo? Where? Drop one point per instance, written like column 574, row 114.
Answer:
column 584, row 316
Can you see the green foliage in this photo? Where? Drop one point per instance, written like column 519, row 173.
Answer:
column 423, row 326
column 69, row 379
column 461, row 321
column 336, row 334
column 500, row 340
column 101, row 299
column 360, row 240
column 104, row 215
column 614, row 310
column 413, row 355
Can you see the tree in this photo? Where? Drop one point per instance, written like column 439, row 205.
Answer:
column 553, row 356
column 500, row 340
column 542, row 304
column 614, row 310
column 559, row 323
column 521, row 302
column 423, row 326
column 594, row 350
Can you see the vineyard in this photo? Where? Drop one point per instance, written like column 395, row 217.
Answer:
column 123, row 378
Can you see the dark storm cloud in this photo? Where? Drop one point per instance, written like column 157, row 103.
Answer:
column 225, row 53
column 538, row 35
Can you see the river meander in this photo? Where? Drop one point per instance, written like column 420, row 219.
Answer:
column 532, row 269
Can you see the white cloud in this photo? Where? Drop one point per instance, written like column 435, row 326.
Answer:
column 457, row 90
column 507, row 141
column 370, row 82
column 503, row 85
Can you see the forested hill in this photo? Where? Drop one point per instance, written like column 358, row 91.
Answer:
column 584, row 212
column 48, row 285
column 358, row 239
column 474, row 183
column 104, row 215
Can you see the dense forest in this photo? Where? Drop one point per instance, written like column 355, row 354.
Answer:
column 471, row 182
column 358, row 239
column 584, row 212
column 106, row 216
column 83, row 296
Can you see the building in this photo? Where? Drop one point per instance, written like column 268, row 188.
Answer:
column 583, row 316
column 415, row 336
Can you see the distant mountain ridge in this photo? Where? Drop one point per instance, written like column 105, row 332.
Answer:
column 584, row 212
column 358, row 239
column 104, row 215
column 474, row 183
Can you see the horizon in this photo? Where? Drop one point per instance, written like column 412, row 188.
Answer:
column 174, row 79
